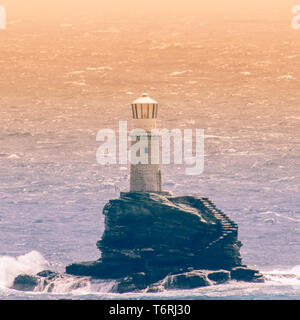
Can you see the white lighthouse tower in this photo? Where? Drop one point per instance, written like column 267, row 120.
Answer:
column 146, row 176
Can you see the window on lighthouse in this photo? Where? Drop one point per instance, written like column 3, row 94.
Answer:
column 154, row 111
column 146, row 112
column 146, row 150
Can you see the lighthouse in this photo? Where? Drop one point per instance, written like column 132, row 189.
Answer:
column 145, row 176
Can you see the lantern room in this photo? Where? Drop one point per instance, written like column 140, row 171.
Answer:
column 144, row 108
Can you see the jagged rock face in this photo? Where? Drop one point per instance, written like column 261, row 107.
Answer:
column 159, row 234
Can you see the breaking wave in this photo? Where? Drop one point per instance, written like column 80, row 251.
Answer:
column 67, row 284
column 277, row 281
column 33, row 262
column 10, row 267
column 290, row 277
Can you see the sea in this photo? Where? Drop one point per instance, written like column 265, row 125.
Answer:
column 65, row 78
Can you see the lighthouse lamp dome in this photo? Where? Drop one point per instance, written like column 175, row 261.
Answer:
column 144, row 108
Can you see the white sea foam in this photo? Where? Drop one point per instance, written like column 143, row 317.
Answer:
column 178, row 73
column 78, row 285
column 276, row 216
column 13, row 156
column 99, row 69
column 286, row 77
column 33, row 262
column 76, row 72
column 10, row 267
column 292, row 57
column 77, row 83
column 285, row 276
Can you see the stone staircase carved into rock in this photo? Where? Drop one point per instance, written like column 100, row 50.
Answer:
column 228, row 227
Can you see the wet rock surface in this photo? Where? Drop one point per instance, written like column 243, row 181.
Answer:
column 220, row 276
column 49, row 281
column 189, row 280
column 25, row 282
column 149, row 237
column 246, row 274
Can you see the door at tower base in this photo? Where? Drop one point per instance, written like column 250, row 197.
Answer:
column 145, row 177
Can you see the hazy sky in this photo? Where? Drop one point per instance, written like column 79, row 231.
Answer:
column 216, row 40
column 245, row 9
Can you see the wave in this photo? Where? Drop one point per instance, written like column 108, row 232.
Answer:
column 290, row 277
column 33, row 263
column 10, row 267
column 67, row 284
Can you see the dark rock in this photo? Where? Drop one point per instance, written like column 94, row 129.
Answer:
column 25, row 282
column 153, row 288
column 188, row 280
column 159, row 234
column 153, row 236
column 47, row 280
column 220, row 276
column 124, row 285
column 97, row 269
column 136, row 282
column 140, row 280
column 47, row 274
column 246, row 274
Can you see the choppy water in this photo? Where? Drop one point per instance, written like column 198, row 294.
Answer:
column 280, row 284
column 61, row 83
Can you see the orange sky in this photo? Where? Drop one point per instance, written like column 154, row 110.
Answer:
column 250, row 9
column 215, row 43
